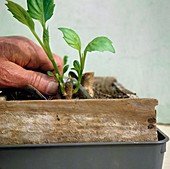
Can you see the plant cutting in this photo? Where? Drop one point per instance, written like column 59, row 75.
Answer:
column 100, row 44
column 42, row 10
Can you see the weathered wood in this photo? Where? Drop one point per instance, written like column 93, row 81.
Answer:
column 60, row 121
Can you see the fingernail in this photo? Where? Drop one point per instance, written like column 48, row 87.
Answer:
column 52, row 88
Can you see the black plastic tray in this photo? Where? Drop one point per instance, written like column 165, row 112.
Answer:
column 116, row 155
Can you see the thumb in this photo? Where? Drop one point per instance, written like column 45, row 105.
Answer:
column 13, row 75
column 42, row 82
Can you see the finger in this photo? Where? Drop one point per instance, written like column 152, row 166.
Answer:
column 42, row 82
column 26, row 53
column 13, row 75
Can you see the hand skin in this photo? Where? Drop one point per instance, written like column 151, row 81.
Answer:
column 20, row 58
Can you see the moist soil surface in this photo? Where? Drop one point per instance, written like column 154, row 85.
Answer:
column 104, row 88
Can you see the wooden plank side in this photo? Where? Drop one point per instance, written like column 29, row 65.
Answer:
column 59, row 121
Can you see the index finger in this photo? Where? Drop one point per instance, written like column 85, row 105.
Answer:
column 27, row 54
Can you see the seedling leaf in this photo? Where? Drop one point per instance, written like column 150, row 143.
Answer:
column 100, row 44
column 20, row 14
column 71, row 37
column 65, row 68
column 50, row 73
column 76, row 65
column 65, row 60
column 41, row 10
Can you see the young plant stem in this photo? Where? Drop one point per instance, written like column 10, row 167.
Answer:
column 80, row 73
column 50, row 56
column 57, row 75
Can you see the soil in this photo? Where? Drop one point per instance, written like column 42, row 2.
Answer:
column 104, row 88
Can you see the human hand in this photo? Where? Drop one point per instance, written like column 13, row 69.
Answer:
column 20, row 58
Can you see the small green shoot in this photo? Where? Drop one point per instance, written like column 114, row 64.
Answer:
column 41, row 10
column 100, row 44
column 49, row 73
column 66, row 66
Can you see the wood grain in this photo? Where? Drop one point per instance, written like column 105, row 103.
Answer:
column 61, row 121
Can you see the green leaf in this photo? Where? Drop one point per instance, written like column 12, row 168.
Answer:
column 20, row 14
column 50, row 73
column 76, row 65
column 41, row 10
column 100, row 44
column 65, row 68
column 71, row 38
column 65, row 60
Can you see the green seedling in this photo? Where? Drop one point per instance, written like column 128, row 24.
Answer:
column 41, row 10
column 100, row 44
